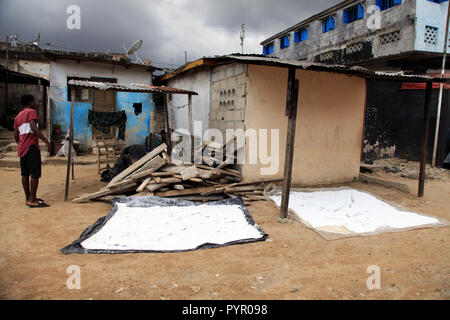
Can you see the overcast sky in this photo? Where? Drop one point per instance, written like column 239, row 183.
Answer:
column 168, row 27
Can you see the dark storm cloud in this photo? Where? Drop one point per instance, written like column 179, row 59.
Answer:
column 168, row 27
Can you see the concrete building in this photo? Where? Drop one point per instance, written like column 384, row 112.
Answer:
column 58, row 67
column 409, row 36
column 249, row 93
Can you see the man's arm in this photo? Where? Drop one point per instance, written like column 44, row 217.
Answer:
column 34, row 127
column 16, row 135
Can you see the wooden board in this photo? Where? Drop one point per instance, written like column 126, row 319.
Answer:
column 153, row 165
column 185, row 192
column 143, row 185
column 139, row 163
column 104, row 192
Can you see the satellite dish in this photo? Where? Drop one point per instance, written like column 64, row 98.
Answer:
column 133, row 50
column 135, row 47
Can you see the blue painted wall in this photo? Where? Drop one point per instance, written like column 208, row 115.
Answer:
column 138, row 126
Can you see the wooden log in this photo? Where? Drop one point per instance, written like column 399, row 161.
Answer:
column 213, row 191
column 170, row 180
column 163, row 174
column 233, row 173
column 157, row 163
column 256, row 198
column 121, row 184
column 143, row 185
column 242, row 189
column 185, row 192
column 139, row 163
column 155, row 186
column 166, row 158
column 157, row 179
column 149, row 165
column 204, row 174
column 188, row 172
column 200, row 198
column 104, row 192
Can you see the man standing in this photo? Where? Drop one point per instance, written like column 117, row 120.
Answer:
column 27, row 134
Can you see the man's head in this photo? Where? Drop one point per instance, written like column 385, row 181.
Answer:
column 28, row 101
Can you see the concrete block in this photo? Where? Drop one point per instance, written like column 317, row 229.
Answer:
column 241, row 79
column 229, row 71
column 240, row 103
column 239, row 115
column 232, row 83
column 239, row 68
column 228, row 115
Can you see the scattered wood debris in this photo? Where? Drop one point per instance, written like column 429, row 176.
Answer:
column 157, row 175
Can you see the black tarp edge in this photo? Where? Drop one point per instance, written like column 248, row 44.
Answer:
column 148, row 202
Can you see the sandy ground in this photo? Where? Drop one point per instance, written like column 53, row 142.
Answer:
column 295, row 263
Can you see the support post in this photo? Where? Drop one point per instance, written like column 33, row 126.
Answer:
column 48, row 119
column 69, row 157
column 71, row 143
column 168, row 135
column 6, row 80
column 291, row 113
column 191, row 126
column 426, row 129
column 441, row 92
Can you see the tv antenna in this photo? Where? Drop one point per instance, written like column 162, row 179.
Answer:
column 242, row 36
column 133, row 50
column 14, row 39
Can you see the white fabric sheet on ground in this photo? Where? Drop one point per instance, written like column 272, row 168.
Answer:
column 350, row 212
column 172, row 228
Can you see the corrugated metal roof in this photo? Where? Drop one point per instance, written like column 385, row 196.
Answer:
column 134, row 87
column 271, row 61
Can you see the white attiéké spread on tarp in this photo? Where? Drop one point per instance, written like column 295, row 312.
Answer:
column 171, row 228
column 356, row 211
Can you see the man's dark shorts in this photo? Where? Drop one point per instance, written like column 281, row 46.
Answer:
column 30, row 163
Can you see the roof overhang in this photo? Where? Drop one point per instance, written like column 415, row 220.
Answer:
column 275, row 62
column 134, row 87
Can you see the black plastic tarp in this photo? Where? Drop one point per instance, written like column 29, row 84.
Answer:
column 148, row 202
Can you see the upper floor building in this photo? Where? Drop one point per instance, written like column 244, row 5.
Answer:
column 380, row 34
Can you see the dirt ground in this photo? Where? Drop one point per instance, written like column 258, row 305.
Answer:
column 296, row 263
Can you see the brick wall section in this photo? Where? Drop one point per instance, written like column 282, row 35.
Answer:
column 228, row 97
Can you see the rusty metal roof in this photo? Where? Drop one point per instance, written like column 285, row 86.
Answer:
column 134, row 87
column 276, row 62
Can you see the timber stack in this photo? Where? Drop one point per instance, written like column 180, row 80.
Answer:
column 156, row 174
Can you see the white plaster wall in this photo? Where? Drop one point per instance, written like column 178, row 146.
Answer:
column 199, row 81
column 433, row 15
column 61, row 69
column 30, row 67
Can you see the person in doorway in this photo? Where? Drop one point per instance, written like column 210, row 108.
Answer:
column 27, row 135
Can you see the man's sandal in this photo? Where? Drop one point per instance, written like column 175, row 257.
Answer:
column 41, row 204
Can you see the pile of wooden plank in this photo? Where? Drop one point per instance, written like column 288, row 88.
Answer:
column 157, row 175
